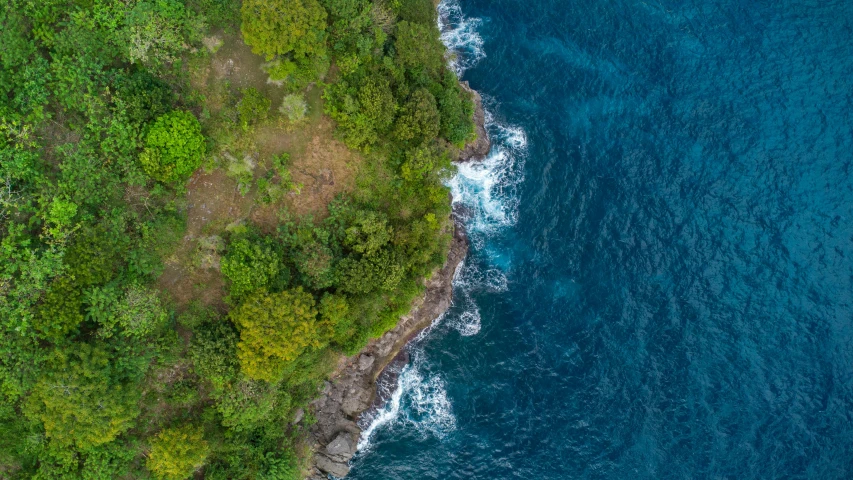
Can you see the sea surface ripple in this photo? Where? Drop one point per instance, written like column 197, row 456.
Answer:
column 660, row 284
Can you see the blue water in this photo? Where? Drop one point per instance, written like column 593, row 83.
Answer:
column 660, row 283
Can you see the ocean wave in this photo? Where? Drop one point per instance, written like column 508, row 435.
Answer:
column 487, row 188
column 419, row 401
column 459, row 34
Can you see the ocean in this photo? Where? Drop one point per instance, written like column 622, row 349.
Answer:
column 660, row 281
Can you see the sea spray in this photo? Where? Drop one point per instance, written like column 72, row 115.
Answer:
column 459, row 34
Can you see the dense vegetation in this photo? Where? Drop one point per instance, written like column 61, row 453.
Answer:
column 102, row 373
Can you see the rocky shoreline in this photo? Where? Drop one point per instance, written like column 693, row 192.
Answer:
column 352, row 391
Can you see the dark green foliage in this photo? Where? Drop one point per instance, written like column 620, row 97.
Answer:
column 419, row 119
column 417, row 11
column 253, row 108
column 214, row 352
column 418, row 48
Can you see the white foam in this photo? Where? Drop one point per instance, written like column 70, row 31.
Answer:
column 487, row 188
column 459, row 34
column 420, row 401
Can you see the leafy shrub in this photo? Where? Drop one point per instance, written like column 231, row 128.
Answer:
column 247, row 404
column 174, row 147
column 293, row 107
column 134, row 312
column 214, row 352
column 177, row 452
column 158, row 31
column 419, row 119
column 253, row 108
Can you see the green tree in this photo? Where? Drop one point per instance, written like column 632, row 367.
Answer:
column 419, row 119
column 418, row 47
column 280, row 27
column 78, row 401
column 274, row 330
column 174, row 147
column 177, row 452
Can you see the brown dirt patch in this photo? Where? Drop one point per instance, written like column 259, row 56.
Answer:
column 323, row 166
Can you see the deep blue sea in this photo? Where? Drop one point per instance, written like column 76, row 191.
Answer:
column 660, row 282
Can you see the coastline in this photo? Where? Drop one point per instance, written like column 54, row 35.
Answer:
column 353, row 390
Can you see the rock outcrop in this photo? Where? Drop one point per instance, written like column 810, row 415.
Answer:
column 352, row 390
column 480, row 147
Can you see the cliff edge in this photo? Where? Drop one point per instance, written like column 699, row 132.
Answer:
column 352, row 390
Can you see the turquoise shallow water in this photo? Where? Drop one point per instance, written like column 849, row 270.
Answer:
column 660, row 283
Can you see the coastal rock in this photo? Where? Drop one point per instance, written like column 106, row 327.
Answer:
column 336, row 468
column 353, row 389
column 480, row 147
column 365, row 362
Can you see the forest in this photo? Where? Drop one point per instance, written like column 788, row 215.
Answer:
column 204, row 204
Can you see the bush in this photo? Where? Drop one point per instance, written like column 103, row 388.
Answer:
column 174, row 147
column 214, row 350
column 253, row 108
column 294, row 107
column 177, row 452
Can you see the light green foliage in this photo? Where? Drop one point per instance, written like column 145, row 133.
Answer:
column 78, row 401
column 95, row 101
column 280, row 27
column 293, row 107
column 177, row 452
column 174, row 147
column 253, row 108
column 274, row 330
column 368, row 234
column 59, row 217
column 364, row 113
column 365, row 275
column 335, row 318
column 241, row 170
column 250, row 266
